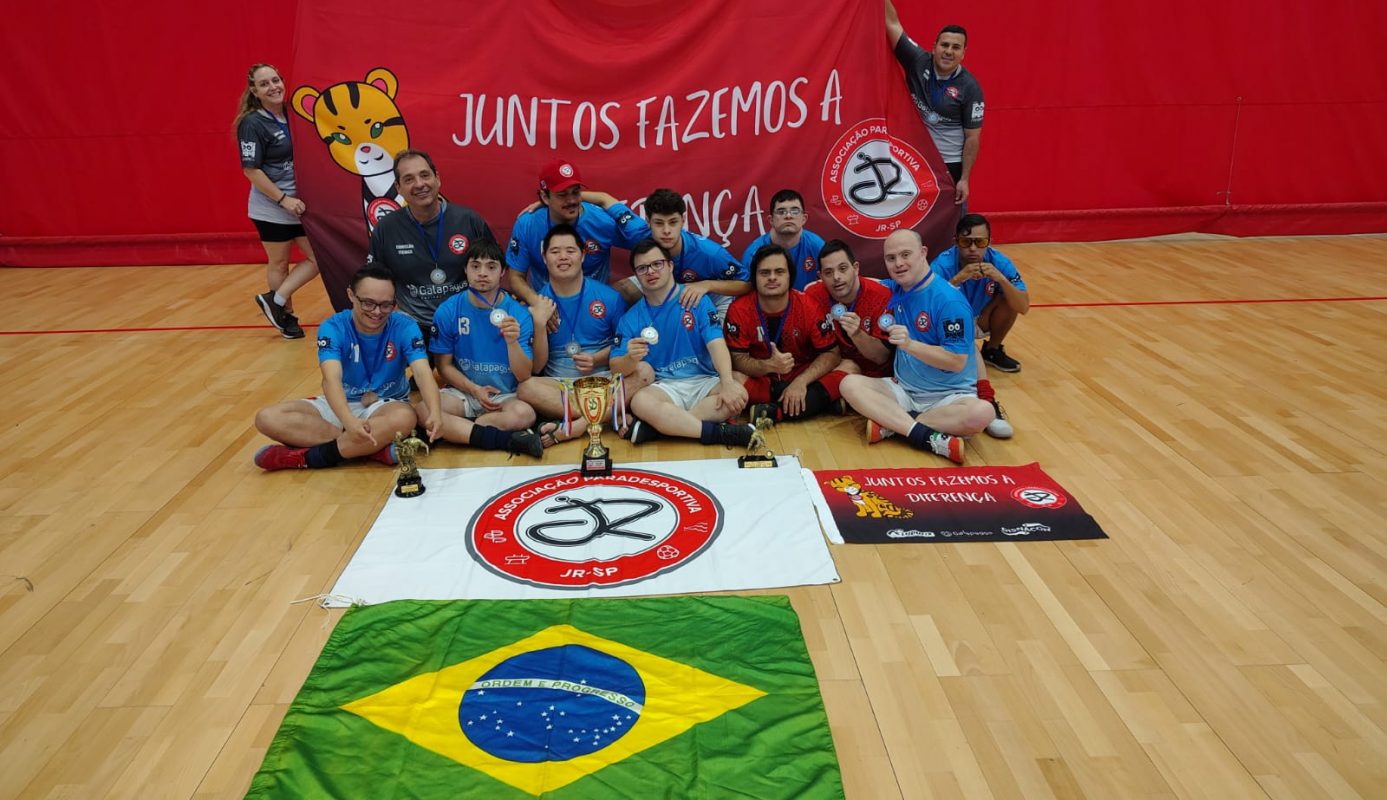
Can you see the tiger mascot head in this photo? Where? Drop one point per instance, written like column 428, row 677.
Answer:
column 846, row 485
column 359, row 122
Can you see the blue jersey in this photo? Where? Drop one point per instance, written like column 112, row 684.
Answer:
column 600, row 229
column 682, row 350
column 935, row 313
column 376, row 363
column 465, row 332
column 804, row 257
column 589, row 318
column 978, row 291
column 702, row 259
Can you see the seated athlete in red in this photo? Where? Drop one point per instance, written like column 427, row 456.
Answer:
column 781, row 340
column 854, row 305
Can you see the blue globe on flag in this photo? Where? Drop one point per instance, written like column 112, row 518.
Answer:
column 554, row 704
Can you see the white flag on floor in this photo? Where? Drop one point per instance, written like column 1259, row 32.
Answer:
column 668, row 527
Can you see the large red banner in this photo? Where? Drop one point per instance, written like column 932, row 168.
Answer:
column 724, row 102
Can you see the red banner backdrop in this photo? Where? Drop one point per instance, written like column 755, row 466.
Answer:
column 637, row 101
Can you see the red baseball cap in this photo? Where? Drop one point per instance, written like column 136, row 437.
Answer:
column 558, row 175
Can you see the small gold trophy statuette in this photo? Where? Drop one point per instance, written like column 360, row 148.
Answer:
column 407, row 480
column 594, row 394
column 757, row 453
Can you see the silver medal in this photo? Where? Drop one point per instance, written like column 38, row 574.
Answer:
column 650, row 335
column 885, row 321
column 573, row 348
column 933, row 118
column 438, row 276
column 838, row 310
column 498, row 316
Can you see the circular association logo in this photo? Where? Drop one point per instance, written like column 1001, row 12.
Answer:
column 808, row 265
column 874, row 183
column 922, row 321
column 554, row 704
column 457, row 243
column 565, row 531
column 991, row 288
column 688, row 276
column 1036, row 497
column 952, row 91
column 592, row 246
column 567, row 169
column 377, row 209
column 597, row 309
column 688, row 321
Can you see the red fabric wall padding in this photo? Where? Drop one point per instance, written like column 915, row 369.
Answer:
column 1104, row 120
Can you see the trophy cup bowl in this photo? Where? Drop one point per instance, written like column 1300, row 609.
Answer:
column 594, row 395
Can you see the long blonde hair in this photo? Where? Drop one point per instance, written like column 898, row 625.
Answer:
column 249, row 102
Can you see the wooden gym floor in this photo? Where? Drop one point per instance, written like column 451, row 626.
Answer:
column 1226, row 642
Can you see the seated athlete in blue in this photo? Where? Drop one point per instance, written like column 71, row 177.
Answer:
column 695, row 385
column 602, row 221
column 700, row 264
column 362, row 354
column 997, row 295
column 481, row 340
column 587, row 313
column 931, row 400
column 788, row 218
column 991, row 283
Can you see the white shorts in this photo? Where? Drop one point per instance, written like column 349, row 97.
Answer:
column 686, row 392
column 471, row 406
column 551, row 370
column 359, row 411
column 920, row 402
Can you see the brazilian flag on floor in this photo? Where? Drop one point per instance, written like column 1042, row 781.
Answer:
column 679, row 697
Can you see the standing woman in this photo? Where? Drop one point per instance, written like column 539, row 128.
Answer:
column 267, row 159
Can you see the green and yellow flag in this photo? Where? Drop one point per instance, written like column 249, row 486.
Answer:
column 698, row 697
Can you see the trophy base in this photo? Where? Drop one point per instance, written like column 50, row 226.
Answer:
column 409, row 487
column 596, row 466
column 755, row 462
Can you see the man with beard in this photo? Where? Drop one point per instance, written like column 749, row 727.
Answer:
column 602, row 222
column 932, row 400
column 788, row 218
column 423, row 245
column 782, row 341
column 695, row 386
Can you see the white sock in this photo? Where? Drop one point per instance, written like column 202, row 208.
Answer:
column 281, row 300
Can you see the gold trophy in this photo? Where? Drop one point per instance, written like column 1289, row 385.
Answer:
column 594, row 395
column 757, row 453
column 407, row 480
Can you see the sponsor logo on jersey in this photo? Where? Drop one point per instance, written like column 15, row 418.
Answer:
column 247, row 149
column 977, row 111
column 953, row 330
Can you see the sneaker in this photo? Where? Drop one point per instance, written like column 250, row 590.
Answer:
column 876, row 433
column 642, row 432
column 273, row 457
column 735, row 435
column 841, row 407
column 950, row 447
column 273, row 312
column 527, row 442
column 385, row 455
column 291, row 329
column 759, row 410
column 999, row 428
column 997, row 357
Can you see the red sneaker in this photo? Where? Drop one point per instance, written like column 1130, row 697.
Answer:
column 276, row 456
column 876, row 433
column 950, row 447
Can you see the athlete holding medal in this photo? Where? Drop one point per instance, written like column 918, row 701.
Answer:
column 424, row 246
column 578, row 345
column 855, row 305
column 482, row 343
column 932, row 399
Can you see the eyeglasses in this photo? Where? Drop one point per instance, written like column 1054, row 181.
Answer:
column 787, row 213
column 653, row 266
column 372, row 305
column 974, row 241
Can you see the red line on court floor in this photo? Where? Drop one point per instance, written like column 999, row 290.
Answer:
column 1108, row 304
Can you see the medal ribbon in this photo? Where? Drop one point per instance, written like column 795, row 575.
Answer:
column 437, row 247
column 784, row 320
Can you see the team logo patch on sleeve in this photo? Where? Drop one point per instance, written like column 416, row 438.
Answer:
column 417, row 343
column 733, row 328
column 247, row 149
column 953, row 330
column 324, row 343
column 514, row 246
column 624, row 218
column 977, row 111
column 457, row 243
column 730, row 271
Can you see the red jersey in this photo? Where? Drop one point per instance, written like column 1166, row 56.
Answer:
column 871, row 302
column 804, row 331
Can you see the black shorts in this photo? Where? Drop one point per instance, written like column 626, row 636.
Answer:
column 277, row 231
